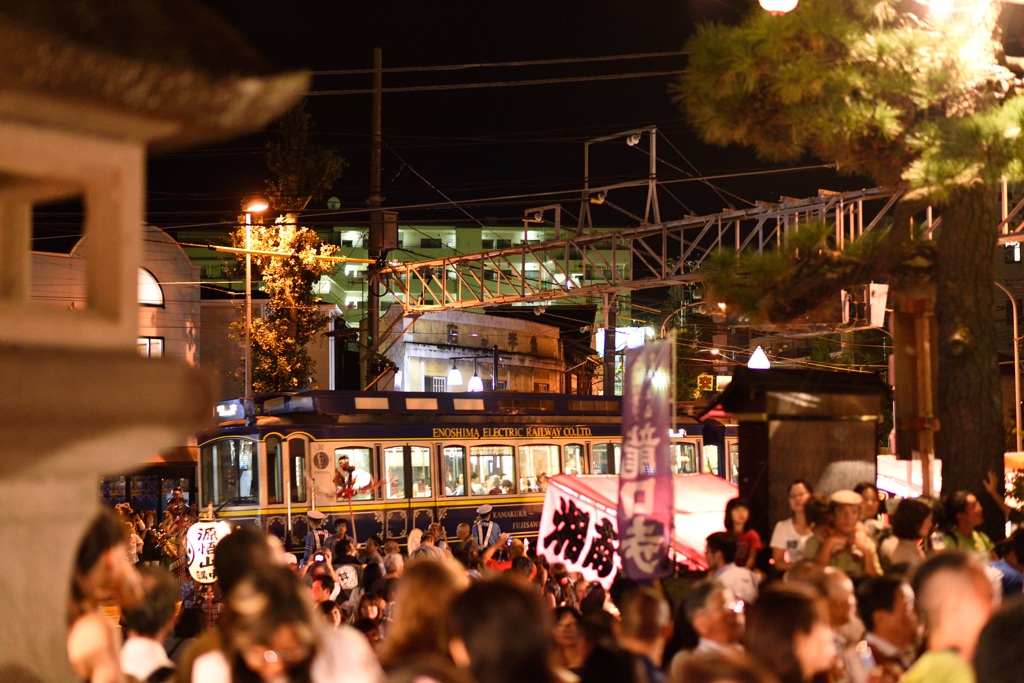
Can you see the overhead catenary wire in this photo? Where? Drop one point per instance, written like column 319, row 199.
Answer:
column 498, row 84
column 490, row 65
column 568, row 195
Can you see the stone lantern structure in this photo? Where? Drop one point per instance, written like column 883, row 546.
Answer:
column 86, row 89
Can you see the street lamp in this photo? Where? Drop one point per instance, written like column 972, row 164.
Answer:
column 250, row 205
column 475, row 383
column 454, row 376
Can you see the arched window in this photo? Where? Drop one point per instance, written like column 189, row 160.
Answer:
column 150, row 291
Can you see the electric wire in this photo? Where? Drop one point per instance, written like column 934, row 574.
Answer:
column 489, row 65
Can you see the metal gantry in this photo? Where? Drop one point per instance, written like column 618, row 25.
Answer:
column 584, row 265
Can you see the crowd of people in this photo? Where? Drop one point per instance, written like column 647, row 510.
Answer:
column 841, row 593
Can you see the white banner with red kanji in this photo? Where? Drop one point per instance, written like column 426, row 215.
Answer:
column 578, row 525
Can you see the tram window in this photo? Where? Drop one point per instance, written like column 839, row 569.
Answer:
column 684, row 458
column 275, row 486
column 734, row 462
column 361, row 459
column 230, row 471
column 606, row 458
column 535, row 461
column 420, row 456
column 574, row 459
column 711, row 459
column 394, row 467
column 492, row 469
column 455, row 470
column 297, row 465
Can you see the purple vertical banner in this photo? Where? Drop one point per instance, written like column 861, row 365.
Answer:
column 645, row 474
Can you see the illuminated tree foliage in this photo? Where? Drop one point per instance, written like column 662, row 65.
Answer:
column 922, row 102
column 291, row 319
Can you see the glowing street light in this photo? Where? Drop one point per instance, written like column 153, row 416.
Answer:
column 778, row 6
column 250, row 205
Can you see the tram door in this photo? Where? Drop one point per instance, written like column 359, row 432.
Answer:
column 408, row 476
column 286, row 482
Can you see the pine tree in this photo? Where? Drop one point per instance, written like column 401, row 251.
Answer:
column 920, row 102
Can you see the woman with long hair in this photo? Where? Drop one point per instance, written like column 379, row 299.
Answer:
column 422, row 599
column 559, row 590
column 737, row 523
column 790, row 534
column 501, row 631
column 788, row 633
column 101, row 572
column 370, row 606
column 270, row 634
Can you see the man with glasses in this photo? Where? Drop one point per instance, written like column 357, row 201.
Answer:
column 716, row 616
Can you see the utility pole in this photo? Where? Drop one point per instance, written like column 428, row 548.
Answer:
column 376, row 249
column 914, row 340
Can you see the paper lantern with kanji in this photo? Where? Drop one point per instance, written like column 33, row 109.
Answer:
column 200, row 541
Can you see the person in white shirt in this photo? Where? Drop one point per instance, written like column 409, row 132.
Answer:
column 148, row 624
column 721, row 556
column 790, row 534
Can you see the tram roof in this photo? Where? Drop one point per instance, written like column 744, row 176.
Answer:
column 319, row 402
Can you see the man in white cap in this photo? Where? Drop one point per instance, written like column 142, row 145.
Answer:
column 317, row 537
column 845, row 544
column 485, row 531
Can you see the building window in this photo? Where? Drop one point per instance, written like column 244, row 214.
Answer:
column 150, row 291
column 542, row 387
column 437, row 384
column 430, row 243
column 1011, row 253
column 151, row 347
column 487, row 244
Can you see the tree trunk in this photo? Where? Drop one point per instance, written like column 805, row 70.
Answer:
column 970, row 437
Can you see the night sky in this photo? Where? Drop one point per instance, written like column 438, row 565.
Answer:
column 474, row 145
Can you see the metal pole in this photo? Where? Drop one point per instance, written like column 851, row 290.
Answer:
column 374, row 201
column 609, row 344
column 494, row 382
column 248, row 304
column 1016, row 365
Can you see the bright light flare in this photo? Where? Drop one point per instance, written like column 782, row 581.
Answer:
column 660, row 380
column 778, row 6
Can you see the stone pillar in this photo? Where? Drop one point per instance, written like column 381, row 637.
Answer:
column 67, row 417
